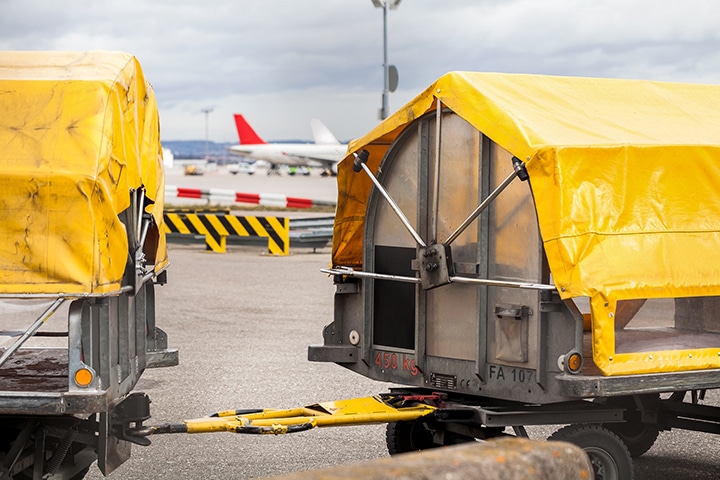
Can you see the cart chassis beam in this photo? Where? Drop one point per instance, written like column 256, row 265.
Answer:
column 580, row 386
column 549, row 414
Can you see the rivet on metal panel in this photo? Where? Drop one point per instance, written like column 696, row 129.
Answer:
column 650, row 356
column 611, row 315
column 691, row 355
column 438, row 90
column 610, row 358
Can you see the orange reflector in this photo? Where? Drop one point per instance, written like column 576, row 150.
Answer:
column 83, row 377
column 574, row 362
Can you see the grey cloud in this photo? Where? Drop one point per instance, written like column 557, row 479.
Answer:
column 201, row 53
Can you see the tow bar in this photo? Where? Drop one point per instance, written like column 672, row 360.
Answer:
column 383, row 408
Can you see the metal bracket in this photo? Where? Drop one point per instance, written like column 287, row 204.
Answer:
column 128, row 416
column 436, row 266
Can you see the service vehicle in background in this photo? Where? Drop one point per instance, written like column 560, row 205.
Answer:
column 81, row 250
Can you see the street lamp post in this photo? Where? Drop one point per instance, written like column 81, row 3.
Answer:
column 390, row 72
column 207, row 111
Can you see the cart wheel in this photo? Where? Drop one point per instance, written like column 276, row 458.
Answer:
column 29, row 475
column 638, row 436
column 403, row 437
column 608, row 454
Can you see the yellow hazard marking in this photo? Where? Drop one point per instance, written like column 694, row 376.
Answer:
column 195, row 221
column 235, row 223
column 215, row 222
column 217, row 228
column 177, row 222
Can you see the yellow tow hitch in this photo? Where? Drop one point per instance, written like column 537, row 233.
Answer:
column 384, row 408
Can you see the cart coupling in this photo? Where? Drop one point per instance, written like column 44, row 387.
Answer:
column 384, row 408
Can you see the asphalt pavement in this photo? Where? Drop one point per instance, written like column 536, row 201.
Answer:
column 242, row 321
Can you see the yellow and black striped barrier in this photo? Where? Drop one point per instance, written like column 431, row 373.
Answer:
column 217, row 227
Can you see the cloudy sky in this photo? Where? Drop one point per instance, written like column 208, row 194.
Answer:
column 283, row 62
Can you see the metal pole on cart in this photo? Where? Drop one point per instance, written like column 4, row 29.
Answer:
column 32, row 330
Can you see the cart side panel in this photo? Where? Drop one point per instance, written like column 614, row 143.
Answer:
column 514, row 254
column 82, row 194
column 392, row 303
column 450, row 313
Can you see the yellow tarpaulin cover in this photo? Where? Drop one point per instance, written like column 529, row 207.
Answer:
column 78, row 131
column 625, row 175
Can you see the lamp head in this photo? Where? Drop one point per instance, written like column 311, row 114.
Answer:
column 392, row 4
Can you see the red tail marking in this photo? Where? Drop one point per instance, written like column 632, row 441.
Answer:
column 246, row 133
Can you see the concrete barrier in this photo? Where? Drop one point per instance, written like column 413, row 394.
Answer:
column 502, row 459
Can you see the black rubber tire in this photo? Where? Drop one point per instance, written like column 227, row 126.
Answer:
column 609, row 456
column 403, row 437
column 639, row 437
column 78, row 476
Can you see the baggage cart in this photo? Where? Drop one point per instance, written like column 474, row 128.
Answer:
column 536, row 250
column 81, row 250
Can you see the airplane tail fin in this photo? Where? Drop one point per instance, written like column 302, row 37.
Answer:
column 246, row 133
column 322, row 134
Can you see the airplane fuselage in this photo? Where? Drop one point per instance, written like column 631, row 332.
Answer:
column 293, row 154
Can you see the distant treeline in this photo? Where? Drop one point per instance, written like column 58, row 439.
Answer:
column 199, row 148
column 196, row 148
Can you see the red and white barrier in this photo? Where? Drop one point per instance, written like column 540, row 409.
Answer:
column 220, row 195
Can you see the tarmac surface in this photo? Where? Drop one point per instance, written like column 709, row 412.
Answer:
column 242, row 322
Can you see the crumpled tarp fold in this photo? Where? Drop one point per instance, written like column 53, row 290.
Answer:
column 78, row 132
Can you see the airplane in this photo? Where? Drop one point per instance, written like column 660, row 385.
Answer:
column 325, row 153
